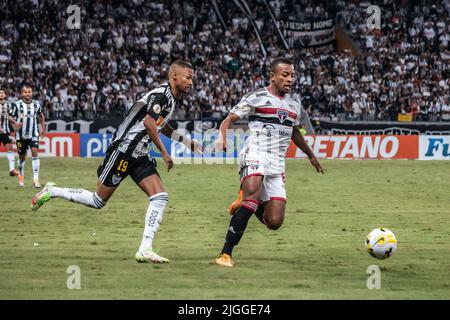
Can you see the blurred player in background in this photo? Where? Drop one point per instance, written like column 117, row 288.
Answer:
column 5, row 130
column 28, row 118
column 128, row 154
column 274, row 119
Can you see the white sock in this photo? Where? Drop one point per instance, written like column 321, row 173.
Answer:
column 36, row 163
column 21, row 167
column 153, row 218
column 78, row 195
column 11, row 160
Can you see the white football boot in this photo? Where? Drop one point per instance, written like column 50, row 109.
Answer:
column 150, row 256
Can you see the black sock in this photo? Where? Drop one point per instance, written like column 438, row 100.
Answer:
column 236, row 229
column 260, row 213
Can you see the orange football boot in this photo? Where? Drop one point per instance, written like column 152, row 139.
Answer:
column 237, row 203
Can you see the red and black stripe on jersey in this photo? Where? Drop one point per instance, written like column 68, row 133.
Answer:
column 274, row 115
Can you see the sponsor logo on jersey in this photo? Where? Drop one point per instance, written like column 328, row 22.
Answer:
column 252, row 164
column 261, row 94
column 268, row 129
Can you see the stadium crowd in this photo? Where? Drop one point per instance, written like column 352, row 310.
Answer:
column 404, row 67
column 123, row 49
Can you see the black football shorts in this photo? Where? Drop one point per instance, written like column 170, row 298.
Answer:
column 118, row 165
column 24, row 145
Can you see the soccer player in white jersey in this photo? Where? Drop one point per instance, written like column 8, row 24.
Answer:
column 5, row 130
column 128, row 154
column 29, row 120
column 274, row 119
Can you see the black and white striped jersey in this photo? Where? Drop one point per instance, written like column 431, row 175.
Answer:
column 5, row 111
column 28, row 115
column 131, row 137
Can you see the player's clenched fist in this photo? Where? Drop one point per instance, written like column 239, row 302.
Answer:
column 168, row 160
column 221, row 145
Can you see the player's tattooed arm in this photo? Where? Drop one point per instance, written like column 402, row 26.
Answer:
column 300, row 142
column 221, row 144
column 193, row 144
column 152, row 130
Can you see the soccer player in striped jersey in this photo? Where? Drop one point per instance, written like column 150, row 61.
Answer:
column 5, row 130
column 274, row 120
column 29, row 120
column 128, row 154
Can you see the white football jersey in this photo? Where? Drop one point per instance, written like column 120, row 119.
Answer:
column 271, row 121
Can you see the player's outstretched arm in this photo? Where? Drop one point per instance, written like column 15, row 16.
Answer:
column 152, row 130
column 221, row 144
column 300, row 142
column 193, row 144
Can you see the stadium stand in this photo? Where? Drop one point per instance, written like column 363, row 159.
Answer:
column 124, row 49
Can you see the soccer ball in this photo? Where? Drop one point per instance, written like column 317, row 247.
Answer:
column 381, row 243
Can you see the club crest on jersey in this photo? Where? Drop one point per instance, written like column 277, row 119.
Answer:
column 116, row 179
column 282, row 115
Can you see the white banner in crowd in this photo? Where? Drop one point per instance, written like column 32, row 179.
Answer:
column 310, row 34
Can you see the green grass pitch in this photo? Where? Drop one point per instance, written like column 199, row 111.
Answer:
column 318, row 253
